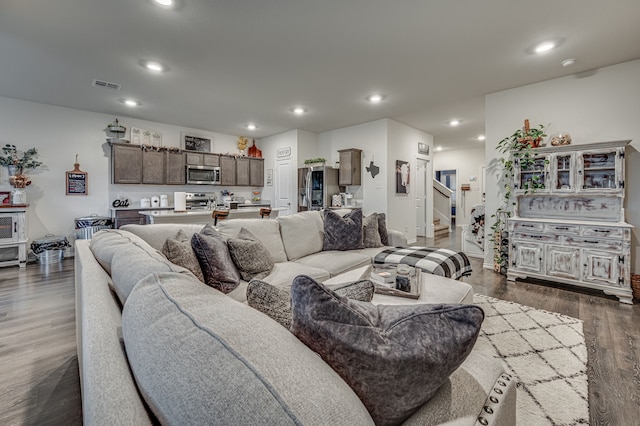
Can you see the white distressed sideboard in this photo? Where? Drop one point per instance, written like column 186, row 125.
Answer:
column 573, row 231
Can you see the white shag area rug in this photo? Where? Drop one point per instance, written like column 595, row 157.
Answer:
column 547, row 355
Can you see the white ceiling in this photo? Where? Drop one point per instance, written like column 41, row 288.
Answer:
column 235, row 61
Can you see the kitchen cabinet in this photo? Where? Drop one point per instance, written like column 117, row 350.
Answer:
column 350, row 172
column 243, row 171
column 573, row 230
column 201, row 159
column 175, row 173
column 126, row 162
column 153, row 167
column 126, row 217
column 256, row 172
column 227, row 170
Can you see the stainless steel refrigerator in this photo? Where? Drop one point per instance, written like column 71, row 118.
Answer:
column 316, row 185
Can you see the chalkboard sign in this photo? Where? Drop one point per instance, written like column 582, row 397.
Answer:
column 77, row 181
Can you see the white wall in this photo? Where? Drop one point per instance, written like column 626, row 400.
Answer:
column 468, row 163
column 371, row 138
column 597, row 106
column 59, row 134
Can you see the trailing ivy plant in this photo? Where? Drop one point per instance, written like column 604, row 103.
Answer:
column 315, row 160
column 520, row 149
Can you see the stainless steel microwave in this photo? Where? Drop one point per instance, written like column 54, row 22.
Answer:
column 203, row 175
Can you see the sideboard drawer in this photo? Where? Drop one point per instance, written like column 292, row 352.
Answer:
column 602, row 232
column 564, row 229
column 595, row 243
column 528, row 226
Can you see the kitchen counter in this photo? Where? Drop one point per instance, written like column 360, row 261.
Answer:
column 201, row 216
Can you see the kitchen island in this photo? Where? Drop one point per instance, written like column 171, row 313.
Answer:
column 201, row 216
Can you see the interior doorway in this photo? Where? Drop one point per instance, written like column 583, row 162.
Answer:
column 421, row 197
column 284, row 187
column 448, row 179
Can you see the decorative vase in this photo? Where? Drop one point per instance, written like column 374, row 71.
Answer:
column 19, row 196
column 14, row 170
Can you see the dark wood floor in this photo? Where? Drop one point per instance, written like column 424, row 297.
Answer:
column 39, row 368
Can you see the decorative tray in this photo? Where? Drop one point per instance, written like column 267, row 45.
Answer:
column 388, row 274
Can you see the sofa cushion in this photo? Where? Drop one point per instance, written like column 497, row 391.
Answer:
column 342, row 232
column 382, row 229
column 250, row 256
column 305, row 224
column 267, row 231
column 276, row 302
column 156, row 234
column 200, row 358
column 213, row 255
column 131, row 263
column 335, row 262
column 411, row 349
column 107, row 242
column 179, row 251
column 370, row 231
column 283, row 273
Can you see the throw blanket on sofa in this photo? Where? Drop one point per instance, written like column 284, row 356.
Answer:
column 437, row 261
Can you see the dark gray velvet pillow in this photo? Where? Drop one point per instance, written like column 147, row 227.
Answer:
column 370, row 233
column 394, row 357
column 276, row 302
column 217, row 267
column 382, row 229
column 342, row 232
column 179, row 251
column 250, row 256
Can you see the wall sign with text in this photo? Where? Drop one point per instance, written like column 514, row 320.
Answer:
column 77, row 181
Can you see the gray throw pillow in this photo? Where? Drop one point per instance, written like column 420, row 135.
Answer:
column 276, row 302
column 370, row 233
column 250, row 256
column 394, row 357
column 382, row 229
column 215, row 261
column 179, row 251
column 342, row 232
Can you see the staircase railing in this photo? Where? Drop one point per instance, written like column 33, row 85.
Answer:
column 442, row 202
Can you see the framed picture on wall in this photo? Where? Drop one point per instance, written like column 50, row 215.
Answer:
column 423, row 148
column 403, row 177
column 193, row 142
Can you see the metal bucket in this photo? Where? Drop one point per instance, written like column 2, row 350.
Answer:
column 89, row 225
column 50, row 249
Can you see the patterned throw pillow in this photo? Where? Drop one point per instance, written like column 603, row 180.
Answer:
column 213, row 255
column 179, row 251
column 250, row 256
column 411, row 349
column 370, row 233
column 342, row 232
column 382, row 229
column 276, row 302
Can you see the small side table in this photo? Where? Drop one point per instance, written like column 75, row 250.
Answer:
column 13, row 235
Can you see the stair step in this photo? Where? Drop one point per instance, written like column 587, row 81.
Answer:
column 440, row 229
column 436, row 221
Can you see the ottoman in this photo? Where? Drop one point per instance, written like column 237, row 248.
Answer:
column 435, row 289
column 438, row 261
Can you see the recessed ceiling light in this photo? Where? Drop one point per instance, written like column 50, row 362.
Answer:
column 251, row 126
column 568, row 62
column 438, row 148
column 165, row 3
column 131, row 102
column 481, row 137
column 154, row 66
column 376, row 98
column 544, row 47
column 299, row 110
column 454, row 122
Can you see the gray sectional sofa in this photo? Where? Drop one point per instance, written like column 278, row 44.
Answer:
column 181, row 352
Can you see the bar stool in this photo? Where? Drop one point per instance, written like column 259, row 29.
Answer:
column 219, row 215
column 265, row 212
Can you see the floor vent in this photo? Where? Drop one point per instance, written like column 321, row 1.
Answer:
column 106, row 85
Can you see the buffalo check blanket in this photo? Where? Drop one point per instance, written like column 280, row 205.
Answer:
column 437, row 261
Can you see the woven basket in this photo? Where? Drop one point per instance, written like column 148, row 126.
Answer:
column 635, row 285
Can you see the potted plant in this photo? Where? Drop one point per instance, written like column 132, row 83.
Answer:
column 521, row 149
column 312, row 161
column 16, row 161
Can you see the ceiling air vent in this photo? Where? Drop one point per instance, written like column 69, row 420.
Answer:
column 106, row 85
